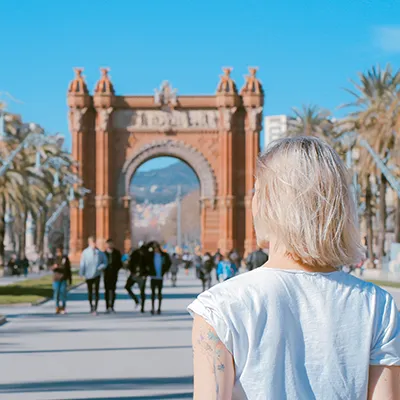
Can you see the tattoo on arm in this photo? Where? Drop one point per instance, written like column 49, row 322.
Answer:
column 210, row 345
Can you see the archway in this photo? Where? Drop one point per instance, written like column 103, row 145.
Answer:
column 192, row 157
column 217, row 135
column 165, row 204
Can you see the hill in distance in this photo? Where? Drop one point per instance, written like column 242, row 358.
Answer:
column 160, row 186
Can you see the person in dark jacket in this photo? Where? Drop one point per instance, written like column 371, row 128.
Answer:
column 24, row 266
column 61, row 277
column 205, row 271
column 13, row 266
column 114, row 264
column 159, row 264
column 138, row 268
column 256, row 259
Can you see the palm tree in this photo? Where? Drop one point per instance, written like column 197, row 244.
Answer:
column 24, row 189
column 311, row 120
column 375, row 118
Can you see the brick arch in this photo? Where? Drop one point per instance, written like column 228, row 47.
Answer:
column 171, row 148
column 216, row 134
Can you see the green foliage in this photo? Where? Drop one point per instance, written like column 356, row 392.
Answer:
column 31, row 290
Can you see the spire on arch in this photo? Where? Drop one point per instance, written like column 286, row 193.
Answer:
column 104, row 85
column 226, row 84
column 252, row 84
column 78, row 84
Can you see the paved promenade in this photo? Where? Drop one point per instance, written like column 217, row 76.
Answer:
column 78, row 356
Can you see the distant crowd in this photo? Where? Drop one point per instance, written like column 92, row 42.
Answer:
column 147, row 262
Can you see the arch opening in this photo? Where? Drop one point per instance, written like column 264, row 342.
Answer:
column 165, row 203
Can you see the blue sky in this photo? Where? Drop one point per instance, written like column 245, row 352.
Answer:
column 306, row 50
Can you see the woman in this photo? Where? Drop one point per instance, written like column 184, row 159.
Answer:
column 61, row 277
column 288, row 329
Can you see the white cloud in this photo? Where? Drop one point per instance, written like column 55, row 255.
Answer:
column 387, row 38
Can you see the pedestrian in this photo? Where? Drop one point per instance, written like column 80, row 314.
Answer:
column 62, row 276
column 13, row 266
column 235, row 258
column 256, row 259
column 197, row 261
column 138, row 272
column 205, row 270
column 175, row 262
column 226, row 269
column 217, row 257
column 114, row 264
column 24, row 266
column 297, row 328
column 159, row 263
column 186, row 262
column 93, row 262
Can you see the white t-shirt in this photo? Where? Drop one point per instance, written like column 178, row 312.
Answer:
column 300, row 335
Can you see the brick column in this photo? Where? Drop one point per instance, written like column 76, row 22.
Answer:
column 78, row 128
column 253, row 127
column 253, row 99
column 103, row 200
column 226, row 196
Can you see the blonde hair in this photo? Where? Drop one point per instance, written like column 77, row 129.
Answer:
column 305, row 203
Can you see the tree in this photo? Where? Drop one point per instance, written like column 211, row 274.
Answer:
column 375, row 119
column 26, row 189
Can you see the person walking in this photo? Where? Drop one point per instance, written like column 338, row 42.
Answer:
column 197, row 261
column 298, row 328
column 226, row 269
column 138, row 268
column 175, row 263
column 205, row 271
column 93, row 262
column 62, row 276
column 114, row 264
column 24, row 266
column 160, row 263
column 256, row 259
column 13, row 266
column 234, row 256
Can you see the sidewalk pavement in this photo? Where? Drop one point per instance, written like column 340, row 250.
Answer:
column 128, row 355
column 380, row 275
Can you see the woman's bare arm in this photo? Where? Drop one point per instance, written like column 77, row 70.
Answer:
column 214, row 372
column 384, row 383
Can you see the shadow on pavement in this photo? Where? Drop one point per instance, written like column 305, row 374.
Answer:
column 94, row 349
column 82, row 296
column 98, row 384
column 11, row 332
column 102, row 315
column 171, row 396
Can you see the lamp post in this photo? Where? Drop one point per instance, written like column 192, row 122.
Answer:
column 179, row 217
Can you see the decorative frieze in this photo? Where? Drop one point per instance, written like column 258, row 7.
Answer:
column 166, row 120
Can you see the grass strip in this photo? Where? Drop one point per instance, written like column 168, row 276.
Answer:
column 31, row 290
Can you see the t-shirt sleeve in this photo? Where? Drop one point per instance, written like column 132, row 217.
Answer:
column 386, row 341
column 207, row 307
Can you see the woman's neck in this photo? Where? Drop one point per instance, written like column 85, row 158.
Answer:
column 279, row 259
